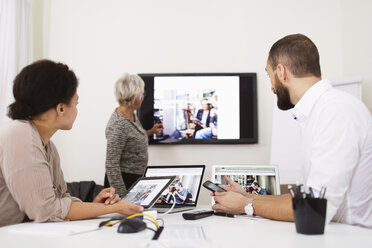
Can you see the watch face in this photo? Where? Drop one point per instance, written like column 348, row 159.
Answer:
column 249, row 209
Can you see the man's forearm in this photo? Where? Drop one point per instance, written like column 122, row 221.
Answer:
column 268, row 197
column 277, row 209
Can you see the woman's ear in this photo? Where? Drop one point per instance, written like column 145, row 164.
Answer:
column 60, row 109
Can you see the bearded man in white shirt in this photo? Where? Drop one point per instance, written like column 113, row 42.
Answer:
column 336, row 140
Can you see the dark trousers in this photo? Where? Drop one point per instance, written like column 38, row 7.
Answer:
column 128, row 179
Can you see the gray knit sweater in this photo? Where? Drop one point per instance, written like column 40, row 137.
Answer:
column 127, row 144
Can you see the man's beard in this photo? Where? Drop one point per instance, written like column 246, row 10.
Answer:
column 282, row 93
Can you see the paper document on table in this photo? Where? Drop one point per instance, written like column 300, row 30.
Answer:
column 183, row 232
column 254, row 218
column 64, row 229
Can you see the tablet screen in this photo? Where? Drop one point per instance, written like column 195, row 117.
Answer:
column 146, row 190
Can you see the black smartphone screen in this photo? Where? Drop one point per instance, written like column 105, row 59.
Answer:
column 213, row 187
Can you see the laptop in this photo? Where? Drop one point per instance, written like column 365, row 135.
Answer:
column 255, row 179
column 185, row 188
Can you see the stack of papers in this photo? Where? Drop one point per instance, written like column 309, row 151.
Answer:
column 183, row 232
column 64, row 229
column 178, row 236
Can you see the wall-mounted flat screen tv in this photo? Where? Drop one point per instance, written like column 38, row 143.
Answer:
column 201, row 108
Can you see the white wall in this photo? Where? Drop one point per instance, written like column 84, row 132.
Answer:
column 102, row 39
column 357, row 43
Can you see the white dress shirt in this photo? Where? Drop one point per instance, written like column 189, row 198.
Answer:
column 336, row 137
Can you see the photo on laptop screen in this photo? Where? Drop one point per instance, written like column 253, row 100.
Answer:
column 147, row 190
column 185, row 187
column 254, row 179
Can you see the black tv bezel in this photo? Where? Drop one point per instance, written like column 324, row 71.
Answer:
column 147, row 119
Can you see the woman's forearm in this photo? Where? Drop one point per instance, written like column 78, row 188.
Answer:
column 86, row 210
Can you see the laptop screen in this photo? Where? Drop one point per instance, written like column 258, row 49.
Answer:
column 185, row 188
column 255, row 179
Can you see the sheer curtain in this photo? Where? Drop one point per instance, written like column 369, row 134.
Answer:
column 16, row 46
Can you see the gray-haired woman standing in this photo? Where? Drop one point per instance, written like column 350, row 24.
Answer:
column 127, row 141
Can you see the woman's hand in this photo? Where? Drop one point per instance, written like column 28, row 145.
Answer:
column 107, row 196
column 155, row 129
column 128, row 208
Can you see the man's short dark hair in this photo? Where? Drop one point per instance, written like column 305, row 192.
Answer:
column 298, row 53
column 41, row 86
column 256, row 184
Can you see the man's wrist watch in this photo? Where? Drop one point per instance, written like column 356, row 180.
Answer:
column 248, row 208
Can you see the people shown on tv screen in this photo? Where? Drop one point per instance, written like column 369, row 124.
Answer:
column 206, row 121
column 203, row 115
column 192, row 116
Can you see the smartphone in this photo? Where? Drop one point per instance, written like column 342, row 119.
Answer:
column 224, row 214
column 195, row 215
column 213, row 187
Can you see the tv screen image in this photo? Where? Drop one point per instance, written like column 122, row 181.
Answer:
column 201, row 108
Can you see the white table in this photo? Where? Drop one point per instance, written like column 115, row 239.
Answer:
column 220, row 231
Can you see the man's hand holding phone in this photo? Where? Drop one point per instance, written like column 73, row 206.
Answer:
column 229, row 202
column 213, row 187
column 226, row 196
column 233, row 186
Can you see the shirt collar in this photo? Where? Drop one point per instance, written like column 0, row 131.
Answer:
column 308, row 100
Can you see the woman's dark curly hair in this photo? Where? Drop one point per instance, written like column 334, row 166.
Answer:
column 41, row 86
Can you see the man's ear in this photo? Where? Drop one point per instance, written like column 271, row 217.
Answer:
column 282, row 72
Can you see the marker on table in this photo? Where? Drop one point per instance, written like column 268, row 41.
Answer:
column 291, row 191
column 303, row 194
column 298, row 189
column 322, row 192
column 311, row 192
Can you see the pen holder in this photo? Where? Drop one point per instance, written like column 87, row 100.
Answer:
column 309, row 215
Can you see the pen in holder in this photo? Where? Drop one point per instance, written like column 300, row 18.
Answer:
column 309, row 214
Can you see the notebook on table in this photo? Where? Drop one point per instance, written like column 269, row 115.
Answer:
column 185, row 188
